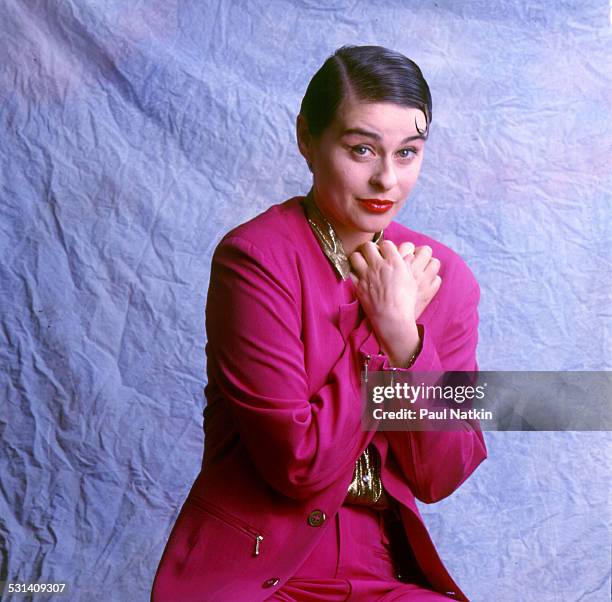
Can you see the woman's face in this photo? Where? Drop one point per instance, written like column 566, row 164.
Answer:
column 364, row 166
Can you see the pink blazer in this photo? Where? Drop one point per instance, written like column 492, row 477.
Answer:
column 286, row 344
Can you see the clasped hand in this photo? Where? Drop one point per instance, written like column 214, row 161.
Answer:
column 394, row 285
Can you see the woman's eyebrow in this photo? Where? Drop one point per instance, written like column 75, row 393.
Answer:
column 361, row 132
column 376, row 136
column 415, row 137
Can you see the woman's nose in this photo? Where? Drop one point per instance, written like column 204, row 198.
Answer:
column 384, row 176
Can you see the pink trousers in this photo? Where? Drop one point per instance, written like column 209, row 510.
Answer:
column 352, row 563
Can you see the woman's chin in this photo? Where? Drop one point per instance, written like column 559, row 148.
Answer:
column 375, row 223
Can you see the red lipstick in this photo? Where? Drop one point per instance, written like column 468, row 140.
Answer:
column 376, row 205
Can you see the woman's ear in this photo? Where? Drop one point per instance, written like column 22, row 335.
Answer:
column 304, row 139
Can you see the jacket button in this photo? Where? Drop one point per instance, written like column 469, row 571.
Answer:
column 271, row 582
column 316, row 518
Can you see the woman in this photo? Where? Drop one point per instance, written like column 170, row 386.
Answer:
column 295, row 501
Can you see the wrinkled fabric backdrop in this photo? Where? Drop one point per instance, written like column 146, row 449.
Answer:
column 135, row 134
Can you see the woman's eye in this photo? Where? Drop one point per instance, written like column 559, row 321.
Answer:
column 407, row 153
column 360, row 150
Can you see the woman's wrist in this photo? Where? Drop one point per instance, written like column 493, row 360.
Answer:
column 401, row 345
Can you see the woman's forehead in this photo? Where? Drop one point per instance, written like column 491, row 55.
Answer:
column 382, row 119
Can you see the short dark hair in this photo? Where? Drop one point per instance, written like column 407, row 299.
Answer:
column 369, row 73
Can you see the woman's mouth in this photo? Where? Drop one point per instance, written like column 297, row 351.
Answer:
column 376, row 205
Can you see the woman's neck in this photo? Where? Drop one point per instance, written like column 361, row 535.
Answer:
column 352, row 239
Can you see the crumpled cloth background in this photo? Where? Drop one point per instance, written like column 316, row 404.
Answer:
column 133, row 135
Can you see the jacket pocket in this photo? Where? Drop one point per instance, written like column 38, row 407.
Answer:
column 231, row 521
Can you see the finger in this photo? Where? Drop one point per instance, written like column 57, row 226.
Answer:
column 431, row 269
column 370, row 252
column 405, row 249
column 389, row 251
column 422, row 255
column 353, row 278
column 358, row 264
column 435, row 286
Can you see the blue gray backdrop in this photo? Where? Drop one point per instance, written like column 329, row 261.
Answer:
column 135, row 134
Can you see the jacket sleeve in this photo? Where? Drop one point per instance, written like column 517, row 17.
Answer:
column 435, row 463
column 299, row 441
